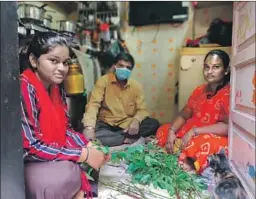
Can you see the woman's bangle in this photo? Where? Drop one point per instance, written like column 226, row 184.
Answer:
column 173, row 129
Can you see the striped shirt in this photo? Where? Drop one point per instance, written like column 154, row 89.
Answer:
column 34, row 149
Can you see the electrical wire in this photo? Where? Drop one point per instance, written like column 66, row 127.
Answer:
column 148, row 42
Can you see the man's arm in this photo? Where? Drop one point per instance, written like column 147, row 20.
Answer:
column 141, row 112
column 93, row 106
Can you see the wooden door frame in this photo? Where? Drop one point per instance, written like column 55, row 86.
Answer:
column 12, row 167
column 240, row 60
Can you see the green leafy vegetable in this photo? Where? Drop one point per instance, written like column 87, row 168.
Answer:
column 99, row 147
column 150, row 164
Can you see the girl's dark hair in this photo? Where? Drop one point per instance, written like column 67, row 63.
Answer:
column 126, row 57
column 40, row 44
column 225, row 60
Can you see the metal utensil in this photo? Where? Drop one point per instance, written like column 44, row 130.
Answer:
column 67, row 26
column 47, row 21
column 44, row 5
column 27, row 11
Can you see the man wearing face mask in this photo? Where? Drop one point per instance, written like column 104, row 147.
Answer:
column 116, row 113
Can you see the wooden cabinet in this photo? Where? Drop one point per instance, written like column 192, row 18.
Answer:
column 242, row 115
column 191, row 70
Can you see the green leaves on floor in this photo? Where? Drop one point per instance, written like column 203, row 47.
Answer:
column 150, row 164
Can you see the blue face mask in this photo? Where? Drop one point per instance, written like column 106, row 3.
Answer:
column 123, row 73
